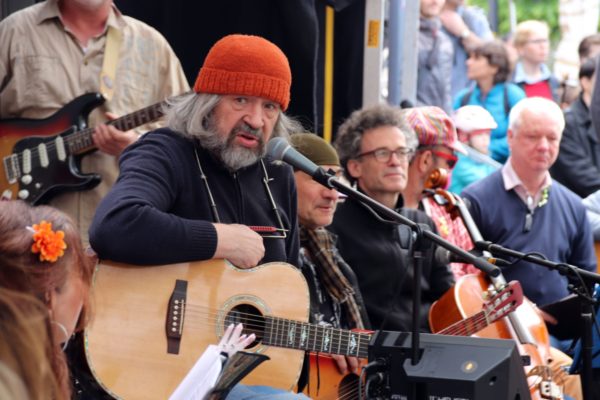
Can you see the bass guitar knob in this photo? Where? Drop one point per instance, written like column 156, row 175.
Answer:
column 23, row 194
column 26, row 179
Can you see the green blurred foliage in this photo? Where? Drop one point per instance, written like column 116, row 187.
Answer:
column 544, row 10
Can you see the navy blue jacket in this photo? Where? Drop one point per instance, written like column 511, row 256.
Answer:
column 560, row 231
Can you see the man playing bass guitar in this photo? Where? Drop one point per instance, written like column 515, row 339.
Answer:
column 57, row 50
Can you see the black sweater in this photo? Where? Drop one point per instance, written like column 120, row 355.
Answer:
column 158, row 211
column 383, row 267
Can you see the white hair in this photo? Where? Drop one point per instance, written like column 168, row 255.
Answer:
column 539, row 106
column 191, row 116
column 190, row 113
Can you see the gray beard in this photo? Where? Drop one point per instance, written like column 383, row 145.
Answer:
column 234, row 157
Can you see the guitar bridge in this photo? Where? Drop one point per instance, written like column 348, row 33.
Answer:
column 175, row 316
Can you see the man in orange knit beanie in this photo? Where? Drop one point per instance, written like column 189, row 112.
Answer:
column 203, row 189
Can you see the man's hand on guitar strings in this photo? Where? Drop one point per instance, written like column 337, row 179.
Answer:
column 110, row 140
column 233, row 340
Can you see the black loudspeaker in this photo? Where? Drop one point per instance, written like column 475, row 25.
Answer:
column 449, row 367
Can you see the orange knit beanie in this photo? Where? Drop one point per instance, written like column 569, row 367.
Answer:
column 246, row 65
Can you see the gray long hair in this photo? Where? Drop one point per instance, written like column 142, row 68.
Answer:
column 190, row 113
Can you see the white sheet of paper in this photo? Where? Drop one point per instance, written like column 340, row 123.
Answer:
column 201, row 378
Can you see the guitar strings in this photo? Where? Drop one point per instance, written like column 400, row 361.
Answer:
column 279, row 334
column 277, row 327
column 257, row 322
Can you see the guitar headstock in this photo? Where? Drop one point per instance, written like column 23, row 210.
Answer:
column 503, row 302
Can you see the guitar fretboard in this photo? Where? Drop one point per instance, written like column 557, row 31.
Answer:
column 81, row 141
column 291, row 334
column 468, row 326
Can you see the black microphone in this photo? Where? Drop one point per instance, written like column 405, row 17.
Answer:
column 280, row 149
column 444, row 256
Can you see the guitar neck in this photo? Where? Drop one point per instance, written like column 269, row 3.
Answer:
column 80, row 142
column 467, row 327
column 291, row 334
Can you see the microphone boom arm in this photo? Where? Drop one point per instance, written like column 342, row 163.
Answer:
column 331, row 182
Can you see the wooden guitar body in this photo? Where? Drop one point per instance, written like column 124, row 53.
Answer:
column 327, row 383
column 135, row 347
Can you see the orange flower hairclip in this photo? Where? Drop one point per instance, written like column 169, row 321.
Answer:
column 48, row 243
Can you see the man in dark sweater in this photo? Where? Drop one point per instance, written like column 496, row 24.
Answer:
column 193, row 191
column 522, row 208
column 375, row 145
column 202, row 188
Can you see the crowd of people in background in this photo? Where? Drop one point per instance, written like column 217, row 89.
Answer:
column 490, row 119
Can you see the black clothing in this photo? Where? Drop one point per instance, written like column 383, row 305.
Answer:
column 578, row 163
column 383, row 267
column 158, row 211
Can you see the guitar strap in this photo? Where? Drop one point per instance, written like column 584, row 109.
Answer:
column 114, row 38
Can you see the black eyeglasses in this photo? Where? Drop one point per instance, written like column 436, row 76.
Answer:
column 384, row 155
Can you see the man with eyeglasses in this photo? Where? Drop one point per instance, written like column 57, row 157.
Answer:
column 438, row 143
column 532, row 42
column 375, row 145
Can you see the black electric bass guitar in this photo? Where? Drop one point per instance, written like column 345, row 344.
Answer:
column 41, row 157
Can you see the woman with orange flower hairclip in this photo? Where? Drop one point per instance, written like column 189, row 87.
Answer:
column 41, row 254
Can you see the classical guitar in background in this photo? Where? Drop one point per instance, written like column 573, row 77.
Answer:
column 151, row 324
column 41, row 157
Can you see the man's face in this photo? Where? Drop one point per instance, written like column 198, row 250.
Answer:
column 243, row 126
column 316, row 203
column 431, row 8
column 376, row 177
column 536, row 48
column 534, row 146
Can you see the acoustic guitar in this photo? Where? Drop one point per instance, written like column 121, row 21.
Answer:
column 152, row 323
column 41, row 157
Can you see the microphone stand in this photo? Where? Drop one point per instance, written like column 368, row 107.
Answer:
column 587, row 303
column 328, row 179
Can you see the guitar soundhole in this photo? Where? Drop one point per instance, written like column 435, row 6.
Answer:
column 251, row 318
